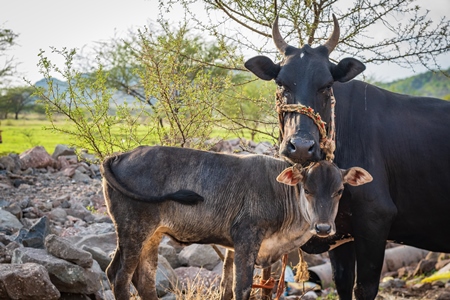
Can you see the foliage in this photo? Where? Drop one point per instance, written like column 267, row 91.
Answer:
column 181, row 86
column 413, row 38
column 86, row 104
column 190, row 83
column 15, row 100
column 431, row 84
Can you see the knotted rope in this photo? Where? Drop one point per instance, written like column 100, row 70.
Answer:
column 327, row 141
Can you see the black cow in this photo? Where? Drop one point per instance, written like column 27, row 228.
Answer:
column 403, row 141
column 241, row 207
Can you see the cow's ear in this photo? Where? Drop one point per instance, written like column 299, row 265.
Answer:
column 290, row 176
column 347, row 69
column 263, row 67
column 356, row 176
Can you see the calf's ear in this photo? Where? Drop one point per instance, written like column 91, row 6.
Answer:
column 290, row 176
column 356, row 176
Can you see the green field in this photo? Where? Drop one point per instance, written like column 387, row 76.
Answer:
column 23, row 134
column 33, row 130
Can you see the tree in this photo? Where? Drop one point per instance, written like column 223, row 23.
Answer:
column 414, row 40
column 183, row 89
column 7, row 40
column 16, row 100
column 190, row 56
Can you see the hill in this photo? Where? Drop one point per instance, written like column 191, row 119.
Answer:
column 431, row 84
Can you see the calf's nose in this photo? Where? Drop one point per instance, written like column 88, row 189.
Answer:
column 322, row 229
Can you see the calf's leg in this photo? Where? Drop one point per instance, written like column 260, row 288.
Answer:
column 247, row 241
column 144, row 277
column 226, row 284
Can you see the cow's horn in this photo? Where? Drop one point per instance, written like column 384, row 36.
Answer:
column 277, row 39
column 332, row 41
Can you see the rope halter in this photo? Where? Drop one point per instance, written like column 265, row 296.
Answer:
column 327, row 141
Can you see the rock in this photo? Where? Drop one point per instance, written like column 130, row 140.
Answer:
column 106, row 241
column 405, row 272
column 66, row 276
column 78, row 176
column 26, row 281
column 442, row 263
column 69, row 171
column 166, row 279
column 58, row 215
column 36, row 157
column 63, row 150
column 197, row 255
column 98, row 255
column 62, row 248
column 170, row 254
column 6, row 252
column 91, row 158
column 11, row 163
column 35, row 236
column 79, row 211
column 422, row 287
column 15, row 209
column 9, row 222
column 445, row 295
column 425, row 266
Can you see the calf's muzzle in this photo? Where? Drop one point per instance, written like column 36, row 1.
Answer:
column 322, row 229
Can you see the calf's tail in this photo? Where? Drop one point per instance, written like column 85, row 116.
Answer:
column 186, row 197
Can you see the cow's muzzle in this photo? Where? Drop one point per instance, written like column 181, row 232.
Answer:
column 301, row 149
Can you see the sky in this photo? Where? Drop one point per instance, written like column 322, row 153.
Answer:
column 42, row 24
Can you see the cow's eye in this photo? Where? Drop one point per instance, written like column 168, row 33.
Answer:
column 278, row 83
column 307, row 192
column 326, row 88
column 339, row 193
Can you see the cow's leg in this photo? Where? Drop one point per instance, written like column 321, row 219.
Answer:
column 371, row 230
column 342, row 261
column 144, row 277
column 226, row 284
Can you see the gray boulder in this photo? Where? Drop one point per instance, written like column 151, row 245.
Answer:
column 66, row 276
column 62, row 248
column 166, row 279
column 9, row 222
column 197, row 255
column 26, row 281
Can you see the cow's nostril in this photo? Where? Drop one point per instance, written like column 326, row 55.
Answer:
column 291, row 146
column 323, row 229
column 311, row 149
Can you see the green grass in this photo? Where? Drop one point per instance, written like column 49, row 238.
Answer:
column 30, row 131
column 26, row 133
